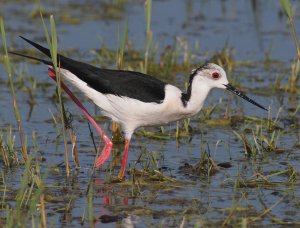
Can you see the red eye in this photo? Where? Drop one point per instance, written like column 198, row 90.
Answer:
column 215, row 75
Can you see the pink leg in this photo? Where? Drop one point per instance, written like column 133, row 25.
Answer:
column 108, row 144
column 125, row 157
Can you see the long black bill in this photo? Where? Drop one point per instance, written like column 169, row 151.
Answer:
column 242, row 95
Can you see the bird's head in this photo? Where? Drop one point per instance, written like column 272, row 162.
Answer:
column 214, row 76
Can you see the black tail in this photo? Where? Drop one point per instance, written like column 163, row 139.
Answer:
column 81, row 70
column 63, row 61
column 34, row 58
column 40, row 48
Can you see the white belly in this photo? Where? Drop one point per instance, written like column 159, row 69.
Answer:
column 133, row 113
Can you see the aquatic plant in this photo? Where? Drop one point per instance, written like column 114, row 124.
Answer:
column 292, row 85
column 12, row 89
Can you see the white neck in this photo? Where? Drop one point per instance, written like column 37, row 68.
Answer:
column 199, row 92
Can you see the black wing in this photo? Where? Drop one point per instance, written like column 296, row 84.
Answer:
column 118, row 82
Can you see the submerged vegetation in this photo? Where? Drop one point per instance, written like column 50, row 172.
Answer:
column 223, row 167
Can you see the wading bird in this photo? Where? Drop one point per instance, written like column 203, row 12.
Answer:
column 134, row 99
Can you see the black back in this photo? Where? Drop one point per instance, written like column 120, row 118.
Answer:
column 130, row 84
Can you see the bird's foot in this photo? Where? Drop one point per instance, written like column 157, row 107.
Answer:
column 124, row 162
column 116, row 179
column 121, row 176
column 105, row 153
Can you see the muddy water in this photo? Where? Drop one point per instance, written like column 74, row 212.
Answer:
column 258, row 35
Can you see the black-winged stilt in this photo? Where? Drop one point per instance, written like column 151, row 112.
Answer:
column 134, row 99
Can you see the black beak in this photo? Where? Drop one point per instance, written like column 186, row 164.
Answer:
column 242, row 95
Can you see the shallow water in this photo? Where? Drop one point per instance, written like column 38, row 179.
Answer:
column 252, row 29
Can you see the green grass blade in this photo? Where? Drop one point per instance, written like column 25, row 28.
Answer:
column 46, row 33
column 120, row 53
column 52, row 44
column 287, row 8
column 149, row 35
column 11, row 82
column 53, row 41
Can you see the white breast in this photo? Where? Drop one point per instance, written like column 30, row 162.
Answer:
column 134, row 113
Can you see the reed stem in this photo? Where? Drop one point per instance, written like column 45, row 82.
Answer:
column 12, row 89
